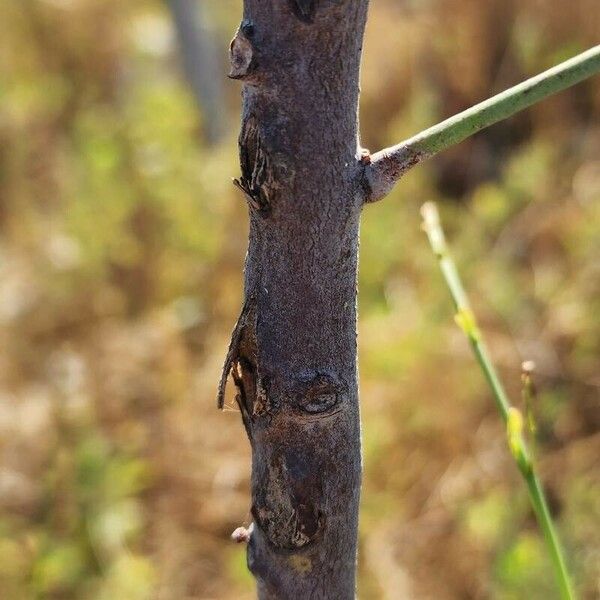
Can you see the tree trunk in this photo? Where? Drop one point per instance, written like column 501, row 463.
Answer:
column 293, row 350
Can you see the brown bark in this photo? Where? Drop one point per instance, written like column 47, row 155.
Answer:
column 293, row 350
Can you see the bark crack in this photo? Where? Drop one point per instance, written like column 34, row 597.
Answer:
column 257, row 172
column 304, row 9
column 232, row 353
column 242, row 363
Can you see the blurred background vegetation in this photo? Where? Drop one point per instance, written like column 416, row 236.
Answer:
column 121, row 250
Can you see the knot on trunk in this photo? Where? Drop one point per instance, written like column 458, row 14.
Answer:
column 318, row 393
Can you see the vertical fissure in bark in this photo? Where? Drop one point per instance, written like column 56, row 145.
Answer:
column 257, row 179
column 293, row 350
column 304, row 9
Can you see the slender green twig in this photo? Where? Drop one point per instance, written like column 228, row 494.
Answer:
column 511, row 416
column 388, row 165
column 507, row 103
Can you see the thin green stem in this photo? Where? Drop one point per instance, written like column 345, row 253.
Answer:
column 507, row 103
column 510, row 415
column 388, row 165
column 552, row 541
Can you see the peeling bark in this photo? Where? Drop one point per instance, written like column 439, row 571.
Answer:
column 293, row 351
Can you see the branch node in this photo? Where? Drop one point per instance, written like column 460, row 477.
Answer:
column 386, row 167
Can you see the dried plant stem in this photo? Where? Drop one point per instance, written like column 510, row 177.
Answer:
column 510, row 415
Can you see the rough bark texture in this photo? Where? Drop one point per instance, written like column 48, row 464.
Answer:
column 293, row 350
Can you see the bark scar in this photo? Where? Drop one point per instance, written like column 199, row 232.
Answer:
column 285, row 504
column 318, row 394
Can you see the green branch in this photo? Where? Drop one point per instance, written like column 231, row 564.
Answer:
column 387, row 166
column 511, row 416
